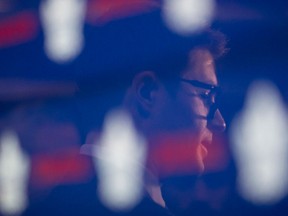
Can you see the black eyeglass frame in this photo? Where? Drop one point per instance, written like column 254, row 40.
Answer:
column 215, row 89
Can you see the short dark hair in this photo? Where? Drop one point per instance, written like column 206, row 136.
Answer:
column 176, row 61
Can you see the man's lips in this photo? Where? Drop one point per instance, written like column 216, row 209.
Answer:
column 204, row 147
column 204, row 151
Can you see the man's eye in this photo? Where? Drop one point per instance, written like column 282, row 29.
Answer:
column 205, row 95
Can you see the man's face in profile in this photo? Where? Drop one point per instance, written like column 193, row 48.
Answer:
column 186, row 119
column 189, row 125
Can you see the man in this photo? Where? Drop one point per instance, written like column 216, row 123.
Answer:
column 184, row 113
column 170, row 88
column 171, row 96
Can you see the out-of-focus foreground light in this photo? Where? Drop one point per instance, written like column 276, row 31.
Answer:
column 260, row 144
column 188, row 16
column 62, row 24
column 14, row 169
column 120, row 157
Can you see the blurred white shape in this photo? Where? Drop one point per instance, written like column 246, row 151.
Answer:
column 63, row 22
column 188, row 16
column 260, row 144
column 14, row 173
column 120, row 158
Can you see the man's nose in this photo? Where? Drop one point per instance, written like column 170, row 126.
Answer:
column 217, row 123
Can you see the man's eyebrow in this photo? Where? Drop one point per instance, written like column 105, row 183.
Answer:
column 200, row 84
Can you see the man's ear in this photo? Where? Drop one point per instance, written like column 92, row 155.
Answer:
column 145, row 86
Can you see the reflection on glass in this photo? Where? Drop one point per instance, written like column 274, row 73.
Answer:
column 63, row 21
column 260, row 145
column 188, row 16
column 120, row 156
column 14, row 168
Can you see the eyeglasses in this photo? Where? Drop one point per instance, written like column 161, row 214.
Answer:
column 210, row 96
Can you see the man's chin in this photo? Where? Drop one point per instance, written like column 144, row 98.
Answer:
column 177, row 192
